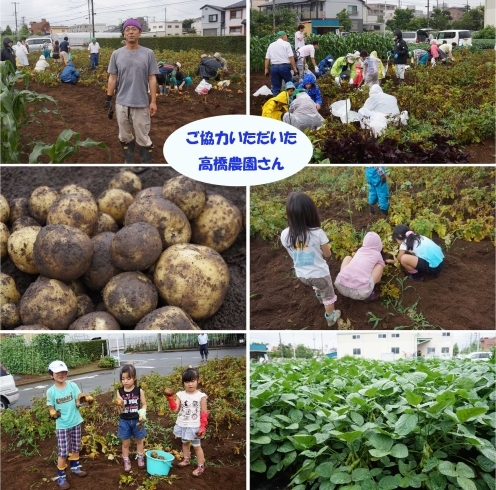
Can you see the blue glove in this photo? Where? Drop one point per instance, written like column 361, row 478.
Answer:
column 395, row 56
column 389, row 53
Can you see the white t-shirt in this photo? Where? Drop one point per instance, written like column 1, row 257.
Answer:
column 308, row 260
column 427, row 250
column 279, row 52
column 202, row 338
column 299, row 39
column 446, row 48
column 93, row 48
column 189, row 411
column 307, row 50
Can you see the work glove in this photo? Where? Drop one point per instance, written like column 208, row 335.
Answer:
column 54, row 414
column 169, row 394
column 396, row 56
column 337, row 80
column 317, row 69
column 389, row 53
column 142, row 414
column 106, row 104
column 203, row 424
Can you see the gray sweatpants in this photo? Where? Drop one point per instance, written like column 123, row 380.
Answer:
column 137, row 118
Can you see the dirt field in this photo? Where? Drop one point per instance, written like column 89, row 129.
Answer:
column 21, row 181
column 82, row 110
column 460, row 298
column 224, row 468
column 480, row 153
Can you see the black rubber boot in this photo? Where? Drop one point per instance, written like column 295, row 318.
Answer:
column 384, row 212
column 145, row 153
column 371, row 209
column 128, row 149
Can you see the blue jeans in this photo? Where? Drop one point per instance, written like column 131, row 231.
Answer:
column 278, row 73
column 93, row 61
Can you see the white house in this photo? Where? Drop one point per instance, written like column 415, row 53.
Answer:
column 389, row 346
column 87, row 28
column 197, row 25
column 235, row 16
column 172, row 28
column 213, row 20
column 489, row 12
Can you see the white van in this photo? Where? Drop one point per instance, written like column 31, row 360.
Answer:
column 36, row 43
column 409, row 36
column 9, row 394
column 461, row 38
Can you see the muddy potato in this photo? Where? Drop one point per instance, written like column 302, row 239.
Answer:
column 9, row 316
column 4, row 239
column 20, row 247
column 76, row 189
column 115, row 202
column 129, row 297
column 4, row 210
column 187, row 194
column 218, row 225
column 8, row 290
column 136, row 247
column 84, row 305
column 96, row 321
column 170, row 221
column 105, row 223
column 192, row 277
column 149, row 192
column 62, row 252
column 167, row 318
column 24, row 221
column 40, row 202
column 48, row 302
column 78, row 287
column 19, row 206
column 76, row 210
column 33, row 327
column 101, row 268
column 127, row 181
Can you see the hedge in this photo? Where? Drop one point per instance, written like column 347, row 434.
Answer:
column 209, row 44
column 91, row 349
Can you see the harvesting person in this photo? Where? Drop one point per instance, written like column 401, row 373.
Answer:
column 311, row 87
column 302, row 53
column 418, row 254
column 21, row 55
column 7, row 53
column 343, row 67
column 209, row 68
column 136, row 68
column 276, row 106
column 222, row 61
column 303, row 113
column 378, row 189
column 308, row 246
column 65, row 50
column 178, row 78
column 359, row 274
column 63, row 400
column 370, row 69
column 325, row 65
column 380, row 66
column 131, row 398
column 192, row 418
column 299, row 37
column 69, row 74
column 94, row 53
column 41, row 64
column 400, row 55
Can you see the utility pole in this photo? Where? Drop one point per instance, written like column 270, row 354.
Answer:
column 89, row 11
column 274, row 15
column 428, row 13
column 280, row 346
column 165, row 21
column 92, row 20
column 15, row 13
column 159, row 342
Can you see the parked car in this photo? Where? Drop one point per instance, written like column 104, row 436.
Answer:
column 423, row 34
column 9, row 394
column 479, row 356
column 410, row 36
column 461, row 38
column 36, row 43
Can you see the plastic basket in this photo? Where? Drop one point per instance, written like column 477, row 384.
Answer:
column 159, row 467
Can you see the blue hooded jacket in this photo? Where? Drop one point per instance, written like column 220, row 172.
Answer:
column 70, row 74
column 314, row 91
column 325, row 64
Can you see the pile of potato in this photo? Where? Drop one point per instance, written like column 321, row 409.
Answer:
column 151, row 257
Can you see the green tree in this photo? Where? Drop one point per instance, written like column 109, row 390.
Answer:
column 303, row 352
column 440, row 19
column 344, row 20
column 416, row 23
column 7, row 32
column 456, row 350
column 187, row 23
column 400, row 19
column 472, row 20
column 489, row 32
column 24, row 31
column 261, row 23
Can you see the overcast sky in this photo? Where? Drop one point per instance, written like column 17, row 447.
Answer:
column 314, row 338
column 112, row 12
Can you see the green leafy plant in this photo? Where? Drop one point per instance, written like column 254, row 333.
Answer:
column 107, row 362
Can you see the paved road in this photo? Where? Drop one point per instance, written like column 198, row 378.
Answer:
column 161, row 362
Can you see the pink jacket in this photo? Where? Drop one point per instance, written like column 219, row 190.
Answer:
column 434, row 49
column 356, row 274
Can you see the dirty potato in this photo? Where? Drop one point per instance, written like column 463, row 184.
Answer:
column 96, row 321
column 218, row 225
column 18, row 207
column 9, row 316
column 8, row 290
column 84, row 305
column 170, row 221
column 192, row 277
column 24, row 221
column 76, row 189
column 105, row 223
column 62, row 252
column 4, row 239
column 167, row 318
column 33, row 327
column 40, row 202
column 4, row 210
column 149, row 192
column 127, row 181
column 101, row 268
column 136, row 247
column 129, row 297
column 48, row 302
column 187, row 194
column 20, row 247
column 115, row 202
column 76, row 210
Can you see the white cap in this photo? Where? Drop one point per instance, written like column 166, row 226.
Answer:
column 57, row 367
column 178, row 64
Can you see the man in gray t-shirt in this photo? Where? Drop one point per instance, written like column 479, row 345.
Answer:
column 134, row 67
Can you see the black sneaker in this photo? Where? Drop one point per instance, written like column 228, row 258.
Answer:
column 417, row 277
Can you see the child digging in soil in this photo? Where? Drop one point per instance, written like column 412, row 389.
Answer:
column 192, row 419
column 131, row 423
column 418, row 254
column 359, row 274
column 308, row 246
column 63, row 400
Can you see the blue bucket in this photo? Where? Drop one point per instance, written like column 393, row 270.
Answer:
column 159, row 467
